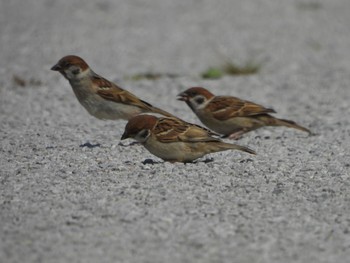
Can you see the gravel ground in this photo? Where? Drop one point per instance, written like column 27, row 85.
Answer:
column 62, row 202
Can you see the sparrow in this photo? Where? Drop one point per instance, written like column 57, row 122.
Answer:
column 231, row 116
column 175, row 140
column 100, row 97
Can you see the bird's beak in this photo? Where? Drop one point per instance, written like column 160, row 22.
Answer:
column 182, row 96
column 125, row 136
column 56, row 68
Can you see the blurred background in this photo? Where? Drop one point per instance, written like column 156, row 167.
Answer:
column 175, row 37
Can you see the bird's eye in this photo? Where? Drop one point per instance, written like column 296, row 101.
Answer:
column 199, row 100
column 76, row 71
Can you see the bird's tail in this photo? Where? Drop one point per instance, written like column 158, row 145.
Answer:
column 149, row 108
column 162, row 112
column 272, row 121
column 290, row 124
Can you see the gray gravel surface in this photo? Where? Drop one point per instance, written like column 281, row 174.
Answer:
column 61, row 202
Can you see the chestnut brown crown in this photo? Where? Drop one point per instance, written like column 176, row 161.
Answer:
column 193, row 92
column 68, row 61
column 137, row 124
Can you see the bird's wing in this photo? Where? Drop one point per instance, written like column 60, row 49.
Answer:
column 224, row 108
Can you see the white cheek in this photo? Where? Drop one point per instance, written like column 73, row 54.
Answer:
column 69, row 74
column 201, row 106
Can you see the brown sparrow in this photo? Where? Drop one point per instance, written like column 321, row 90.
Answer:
column 174, row 140
column 231, row 116
column 100, row 97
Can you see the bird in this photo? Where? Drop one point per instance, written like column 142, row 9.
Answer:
column 102, row 98
column 230, row 116
column 175, row 140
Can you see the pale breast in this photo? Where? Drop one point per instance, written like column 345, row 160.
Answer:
column 101, row 108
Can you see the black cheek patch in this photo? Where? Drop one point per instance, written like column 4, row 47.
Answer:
column 199, row 100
